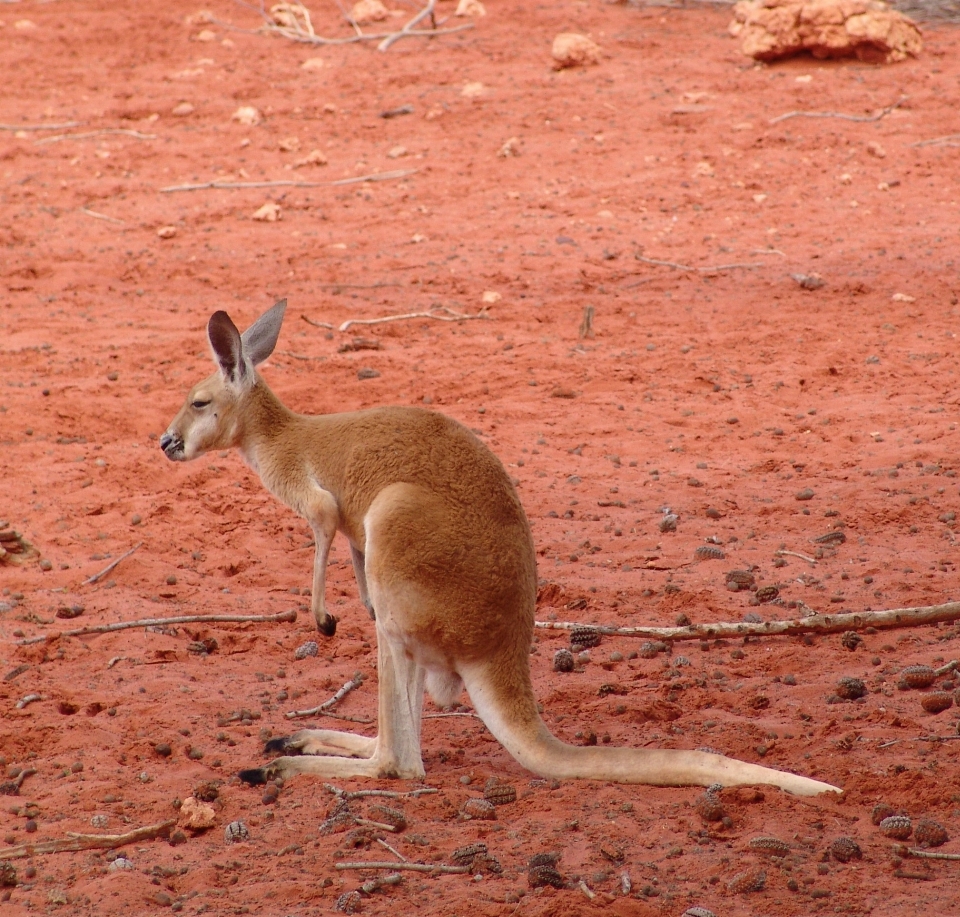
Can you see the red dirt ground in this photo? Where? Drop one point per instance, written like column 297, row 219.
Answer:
column 730, row 390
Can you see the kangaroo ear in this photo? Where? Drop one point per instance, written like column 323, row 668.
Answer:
column 227, row 346
column 261, row 337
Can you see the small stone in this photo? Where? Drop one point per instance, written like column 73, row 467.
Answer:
column 8, row 875
column 196, row 815
column 669, row 523
column 167, row 232
column 897, row 827
column 120, row 863
column 268, row 213
column 182, row 110
column 805, row 494
column 163, row 749
column 470, row 8
column 368, row 373
column 573, row 50
column 46, row 565
column 246, row 115
column 235, row 832
column 366, row 11
column 845, row 849
column 698, row 911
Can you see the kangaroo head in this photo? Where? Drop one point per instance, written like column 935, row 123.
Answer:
column 212, row 416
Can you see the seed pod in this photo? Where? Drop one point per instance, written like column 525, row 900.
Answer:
column 850, row 688
column 338, row 823
column 309, row 648
column 389, row 816
column 500, row 794
column 543, row 859
column 742, row 579
column 917, row 677
column 851, row 640
column 583, row 638
column 563, row 661
column 710, row 807
column 487, row 865
column 709, row 552
column 834, row 537
column 8, row 876
column 881, row 811
column 753, row 880
column 236, row 831
column 479, row 808
column 929, row 833
column 937, row 701
column 767, row 594
column 698, row 911
column 464, row 856
column 770, row 846
column 348, row 903
column 540, row 876
column 897, row 827
column 845, row 849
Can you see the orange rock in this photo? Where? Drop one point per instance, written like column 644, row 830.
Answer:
column 573, row 50
column 866, row 29
column 196, row 815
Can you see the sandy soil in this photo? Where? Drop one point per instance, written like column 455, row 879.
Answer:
column 713, row 386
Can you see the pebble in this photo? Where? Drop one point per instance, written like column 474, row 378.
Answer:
column 163, row 749
column 805, row 494
column 120, row 863
column 367, row 373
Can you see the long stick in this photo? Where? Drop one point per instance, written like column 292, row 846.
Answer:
column 426, row 11
column 702, row 270
column 835, row 114
column 290, row 615
column 452, row 316
column 288, row 183
column 354, row 682
column 88, row 134
column 88, row 841
column 40, row 127
column 412, row 867
column 816, row 623
column 112, row 565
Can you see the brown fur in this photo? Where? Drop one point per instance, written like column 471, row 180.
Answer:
column 444, row 559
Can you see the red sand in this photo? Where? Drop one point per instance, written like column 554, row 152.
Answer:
column 732, row 390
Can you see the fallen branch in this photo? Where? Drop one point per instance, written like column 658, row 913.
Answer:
column 412, row 867
column 396, row 36
column 931, row 855
column 354, row 682
column 112, row 565
column 452, row 316
column 88, row 841
column 835, row 114
column 396, row 853
column 40, row 127
column 86, row 135
column 702, row 270
column 100, row 216
column 815, row 623
column 347, row 795
column 937, row 141
column 289, row 183
column 290, row 615
column 310, row 321
column 807, row 558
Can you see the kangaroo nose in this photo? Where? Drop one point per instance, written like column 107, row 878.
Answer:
column 166, row 441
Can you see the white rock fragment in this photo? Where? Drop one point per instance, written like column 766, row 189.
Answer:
column 182, row 110
column 167, row 232
column 313, row 63
column 470, row 8
column 268, row 213
column 247, row 115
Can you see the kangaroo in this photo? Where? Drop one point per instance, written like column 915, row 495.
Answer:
column 445, row 564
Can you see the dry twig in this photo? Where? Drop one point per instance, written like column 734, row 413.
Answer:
column 288, row 183
column 290, row 615
column 396, row 853
column 112, row 565
column 347, row 795
column 310, row 321
column 937, row 141
column 835, row 114
column 702, row 270
column 451, row 316
column 100, row 216
column 354, row 682
column 815, row 623
column 807, row 558
column 86, row 135
column 40, row 127
column 88, row 841
column 412, row 867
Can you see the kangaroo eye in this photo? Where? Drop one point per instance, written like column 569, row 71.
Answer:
column 199, row 405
